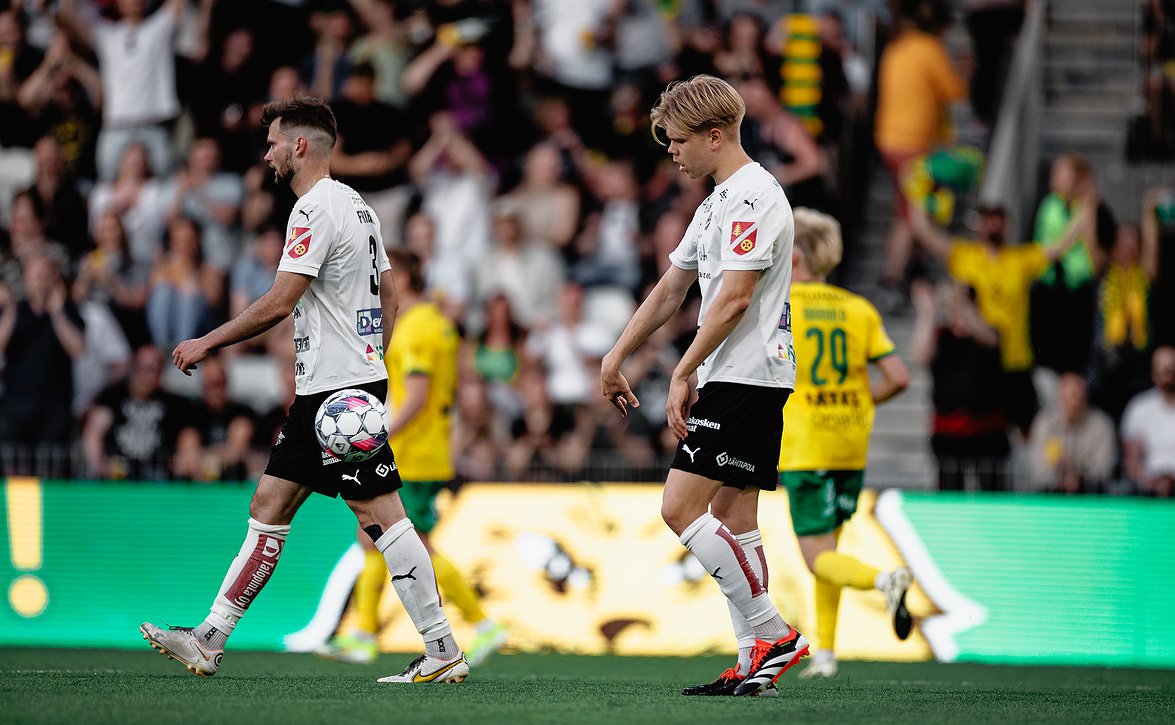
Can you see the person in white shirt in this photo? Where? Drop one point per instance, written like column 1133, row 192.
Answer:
column 738, row 247
column 335, row 279
column 1148, row 430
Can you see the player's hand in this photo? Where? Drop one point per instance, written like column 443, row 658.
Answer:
column 187, row 354
column 675, row 406
column 615, row 388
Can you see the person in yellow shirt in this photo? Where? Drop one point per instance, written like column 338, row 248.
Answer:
column 1002, row 275
column 916, row 83
column 422, row 362
column 838, row 335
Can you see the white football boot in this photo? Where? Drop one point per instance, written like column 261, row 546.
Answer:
column 181, row 644
column 425, row 669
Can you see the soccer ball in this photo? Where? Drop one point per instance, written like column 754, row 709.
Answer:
column 351, row 425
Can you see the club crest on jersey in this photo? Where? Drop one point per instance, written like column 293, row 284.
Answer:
column 742, row 237
column 299, row 242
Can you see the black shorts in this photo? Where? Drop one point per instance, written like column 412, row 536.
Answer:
column 734, row 435
column 297, row 457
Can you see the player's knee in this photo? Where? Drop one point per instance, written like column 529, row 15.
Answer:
column 675, row 517
column 270, row 509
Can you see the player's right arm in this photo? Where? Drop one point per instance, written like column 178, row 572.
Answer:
column 655, row 311
column 894, row 378
column 269, row 309
column 935, row 240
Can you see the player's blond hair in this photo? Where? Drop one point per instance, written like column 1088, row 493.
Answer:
column 817, row 240
column 699, row 103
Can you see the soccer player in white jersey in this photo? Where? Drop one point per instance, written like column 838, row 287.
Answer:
column 334, row 278
column 739, row 247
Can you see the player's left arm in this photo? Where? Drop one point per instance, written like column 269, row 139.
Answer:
column 728, row 308
column 895, row 378
column 269, row 309
column 389, row 303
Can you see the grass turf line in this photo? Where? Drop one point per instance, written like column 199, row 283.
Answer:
column 116, row 686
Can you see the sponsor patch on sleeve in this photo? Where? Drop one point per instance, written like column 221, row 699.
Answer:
column 299, row 242
column 742, row 237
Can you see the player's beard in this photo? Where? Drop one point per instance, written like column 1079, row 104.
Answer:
column 283, row 173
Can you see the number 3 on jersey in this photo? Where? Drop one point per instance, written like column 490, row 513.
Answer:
column 374, row 278
column 837, row 352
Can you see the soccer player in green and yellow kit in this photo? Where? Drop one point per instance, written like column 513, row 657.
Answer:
column 422, row 382
column 826, row 429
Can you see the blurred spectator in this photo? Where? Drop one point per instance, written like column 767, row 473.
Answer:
column 1158, row 248
column 106, row 358
column 184, row 291
column 781, row 144
column 26, row 239
column 63, row 208
column 385, row 46
column 744, row 50
column 41, row 334
column 1001, row 274
column 454, row 180
column 969, row 430
column 546, row 205
column 992, row 25
column 642, row 42
column 479, row 440
column 1148, row 430
column 325, row 68
column 1158, row 67
column 575, row 53
column 216, row 445
column 607, row 249
column 1072, row 447
column 18, row 61
column 570, row 348
column 916, row 82
column 372, row 150
column 1122, row 330
column 62, row 97
column 138, row 199
column 549, row 440
column 136, row 62
column 109, row 275
column 1063, row 300
column 212, row 198
column 252, row 276
column 529, row 274
column 230, row 78
column 131, row 431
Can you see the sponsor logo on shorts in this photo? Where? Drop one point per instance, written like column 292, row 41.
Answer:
column 694, row 423
column 692, row 453
column 369, row 321
column 724, row 459
column 383, row 469
column 328, row 459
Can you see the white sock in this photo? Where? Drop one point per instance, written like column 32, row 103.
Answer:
column 416, row 583
column 881, row 581
column 744, row 633
column 718, row 551
column 246, row 576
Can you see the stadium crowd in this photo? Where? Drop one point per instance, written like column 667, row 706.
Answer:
column 506, row 143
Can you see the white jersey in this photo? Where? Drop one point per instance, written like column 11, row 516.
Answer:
column 333, row 236
column 746, row 223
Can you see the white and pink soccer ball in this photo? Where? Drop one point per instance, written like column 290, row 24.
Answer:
column 351, row 425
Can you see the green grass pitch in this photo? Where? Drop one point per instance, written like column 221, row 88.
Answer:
column 108, row 686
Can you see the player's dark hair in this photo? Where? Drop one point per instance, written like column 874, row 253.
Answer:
column 409, row 262
column 303, row 112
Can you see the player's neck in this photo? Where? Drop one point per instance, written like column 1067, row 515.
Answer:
column 305, row 179
column 729, row 163
column 799, row 275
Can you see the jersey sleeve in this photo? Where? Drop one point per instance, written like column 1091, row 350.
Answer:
column 308, row 239
column 419, row 353
column 878, row 343
column 961, row 259
column 686, row 254
column 752, row 220
column 1034, row 259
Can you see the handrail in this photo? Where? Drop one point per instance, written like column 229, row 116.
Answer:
column 1014, row 153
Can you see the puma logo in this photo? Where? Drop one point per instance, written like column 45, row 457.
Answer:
column 354, row 478
column 715, row 573
column 306, row 214
column 692, row 453
column 409, row 575
column 748, row 202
